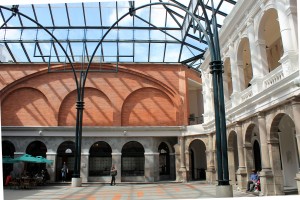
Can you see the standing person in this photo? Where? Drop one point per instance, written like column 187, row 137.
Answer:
column 113, row 173
column 253, row 180
column 64, row 171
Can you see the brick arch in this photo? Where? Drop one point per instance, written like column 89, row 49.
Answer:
column 148, row 107
column 97, row 109
column 27, row 107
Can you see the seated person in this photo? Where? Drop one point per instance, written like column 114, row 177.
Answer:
column 253, row 179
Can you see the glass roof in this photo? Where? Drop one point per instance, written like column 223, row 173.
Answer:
column 156, row 33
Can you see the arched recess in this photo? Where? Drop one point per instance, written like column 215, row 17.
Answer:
column 269, row 32
column 252, row 149
column 65, row 153
column 257, row 156
column 227, row 79
column 30, row 108
column 286, row 150
column 8, row 149
column 133, row 159
column 233, row 159
column 148, row 107
column 164, row 161
column 100, row 159
column 198, row 163
column 97, row 109
column 36, row 148
column 244, row 63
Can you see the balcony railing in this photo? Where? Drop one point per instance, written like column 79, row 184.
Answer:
column 273, row 77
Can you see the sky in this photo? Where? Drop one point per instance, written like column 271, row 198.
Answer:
column 140, row 51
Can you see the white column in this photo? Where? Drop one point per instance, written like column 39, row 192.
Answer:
column 237, row 74
column 234, row 70
column 286, row 18
column 259, row 65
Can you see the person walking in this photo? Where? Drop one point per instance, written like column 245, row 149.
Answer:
column 113, row 173
column 64, row 171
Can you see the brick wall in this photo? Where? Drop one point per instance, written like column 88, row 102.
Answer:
column 138, row 95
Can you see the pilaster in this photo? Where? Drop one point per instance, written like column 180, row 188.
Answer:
column 116, row 160
column 151, row 166
column 84, row 166
column 51, row 167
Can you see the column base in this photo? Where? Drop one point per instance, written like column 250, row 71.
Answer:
column 183, row 173
column 224, row 191
column 267, row 182
column 298, row 181
column 76, row 182
column 242, row 178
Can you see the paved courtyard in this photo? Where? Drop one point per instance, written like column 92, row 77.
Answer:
column 94, row 191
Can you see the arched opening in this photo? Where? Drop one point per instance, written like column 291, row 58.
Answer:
column 8, row 149
column 257, row 156
column 36, row 148
column 269, row 31
column 252, row 148
column 164, row 161
column 244, row 64
column 65, row 153
column 198, row 162
column 133, row 159
column 100, row 159
column 283, row 130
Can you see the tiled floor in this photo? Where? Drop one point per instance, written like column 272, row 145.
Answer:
column 93, row 191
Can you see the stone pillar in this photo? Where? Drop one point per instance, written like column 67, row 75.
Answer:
column 286, row 16
column 276, row 167
column 248, row 154
column 266, row 174
column 241, row 173
column 188, row 165
column 259, row 68
column 151, row 166
column 84, row 170
column 210, row 172
column 18, row 167
column 51, row 167
column 177, row 162
column 182, row 169
column 116, row 160
column 296, row 115
column 172, row 166
column 231, row 165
